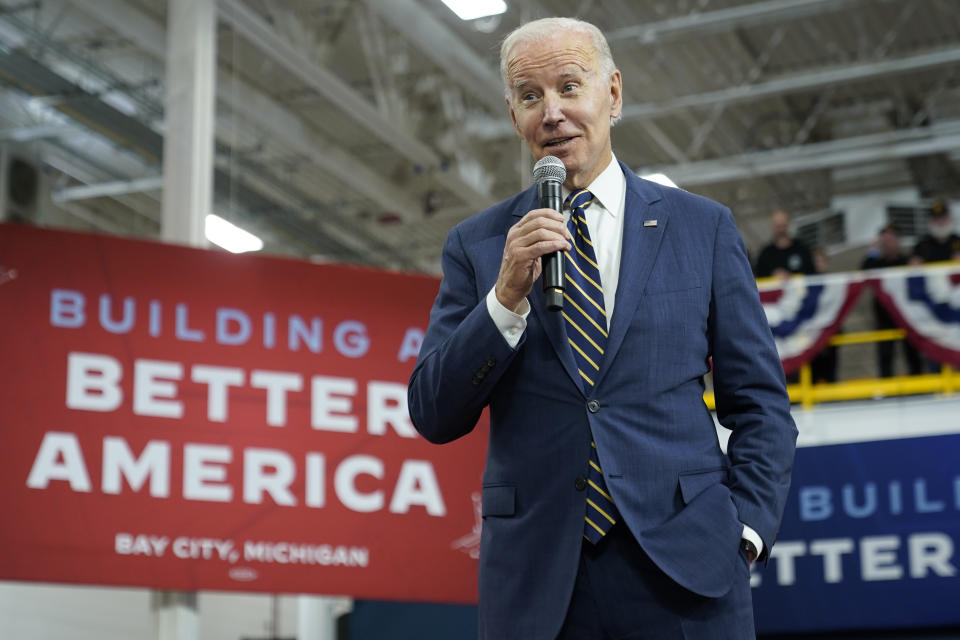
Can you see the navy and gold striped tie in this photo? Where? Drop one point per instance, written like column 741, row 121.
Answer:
column 586, row 322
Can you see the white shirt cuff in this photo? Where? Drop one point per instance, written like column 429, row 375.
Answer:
column 753, row 537
column 511, row 325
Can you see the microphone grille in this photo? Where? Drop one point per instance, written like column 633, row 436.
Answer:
column 549, row 168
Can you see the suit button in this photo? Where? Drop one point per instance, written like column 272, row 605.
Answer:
column 593, row 406
column 580, row 483
column 491, row 362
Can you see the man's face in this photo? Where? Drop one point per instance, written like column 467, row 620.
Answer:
column 780, row 224
column 561, row 105
column 889, row 243
column 941, row 227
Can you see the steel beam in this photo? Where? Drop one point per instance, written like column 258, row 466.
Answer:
column 94, row 220
column 373, row 42
column 798, row 82
column 905, row 143
column 445, row 48
column 36, row 132
column 748, row 15
column 256, row 106
column 189, row 107
column 107, row 189
column 664, row 141
column 342, row 96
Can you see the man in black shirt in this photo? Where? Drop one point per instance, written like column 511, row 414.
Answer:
column 888, row 254
column 941, row 243
column 784, row 255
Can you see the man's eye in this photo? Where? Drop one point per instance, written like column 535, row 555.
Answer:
column 569, row 87
column 527, row 97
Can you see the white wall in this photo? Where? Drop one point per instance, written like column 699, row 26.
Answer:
column 45, row 612
column 866, row 420
column 867, row 212
column 53, row 612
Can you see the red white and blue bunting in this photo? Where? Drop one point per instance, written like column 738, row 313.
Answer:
column 804, row 312
column 925, row 302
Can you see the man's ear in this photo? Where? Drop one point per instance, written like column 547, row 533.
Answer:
column 616, row 94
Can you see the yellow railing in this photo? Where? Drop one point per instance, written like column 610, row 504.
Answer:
column 807, row 393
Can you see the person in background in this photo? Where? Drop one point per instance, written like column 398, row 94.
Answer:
column 887, row 253
column 785, row 255
column 940, row 243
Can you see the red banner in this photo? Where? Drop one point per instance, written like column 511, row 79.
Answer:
column 185, row 419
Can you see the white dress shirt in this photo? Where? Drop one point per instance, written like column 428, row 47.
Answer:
column 605, row 224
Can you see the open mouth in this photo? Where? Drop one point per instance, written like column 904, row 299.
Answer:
column 558, row 142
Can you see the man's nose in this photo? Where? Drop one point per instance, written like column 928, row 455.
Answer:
column 552, row 109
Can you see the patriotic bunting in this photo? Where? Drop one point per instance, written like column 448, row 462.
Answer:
column 925, row 302
column 804, row 312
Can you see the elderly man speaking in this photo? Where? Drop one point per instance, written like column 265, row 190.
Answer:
column 609, row 509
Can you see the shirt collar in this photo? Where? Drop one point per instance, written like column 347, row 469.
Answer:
column 608, row 187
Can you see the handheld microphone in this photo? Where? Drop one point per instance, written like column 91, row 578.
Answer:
column 549, row 174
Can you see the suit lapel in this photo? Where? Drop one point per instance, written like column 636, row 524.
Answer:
column 551, row 321
column 637, row 257
column 553, row 325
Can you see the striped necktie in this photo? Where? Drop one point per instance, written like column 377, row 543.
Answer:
column 586, row 323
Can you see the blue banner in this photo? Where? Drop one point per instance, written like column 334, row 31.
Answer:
column 868, row 539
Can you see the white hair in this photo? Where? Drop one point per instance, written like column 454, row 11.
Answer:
column 544, row 28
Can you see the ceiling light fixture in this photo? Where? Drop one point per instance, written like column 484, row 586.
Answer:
column 473, row 9
column 230, row 236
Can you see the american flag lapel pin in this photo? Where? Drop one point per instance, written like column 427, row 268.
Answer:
column 650, row 223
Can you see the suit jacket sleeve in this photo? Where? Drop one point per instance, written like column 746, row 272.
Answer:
column 750, row 389
column 463, row 353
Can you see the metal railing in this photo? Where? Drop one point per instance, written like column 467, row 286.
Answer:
column 807, row 393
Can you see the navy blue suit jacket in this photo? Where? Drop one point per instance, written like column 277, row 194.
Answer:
column 686, row 294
